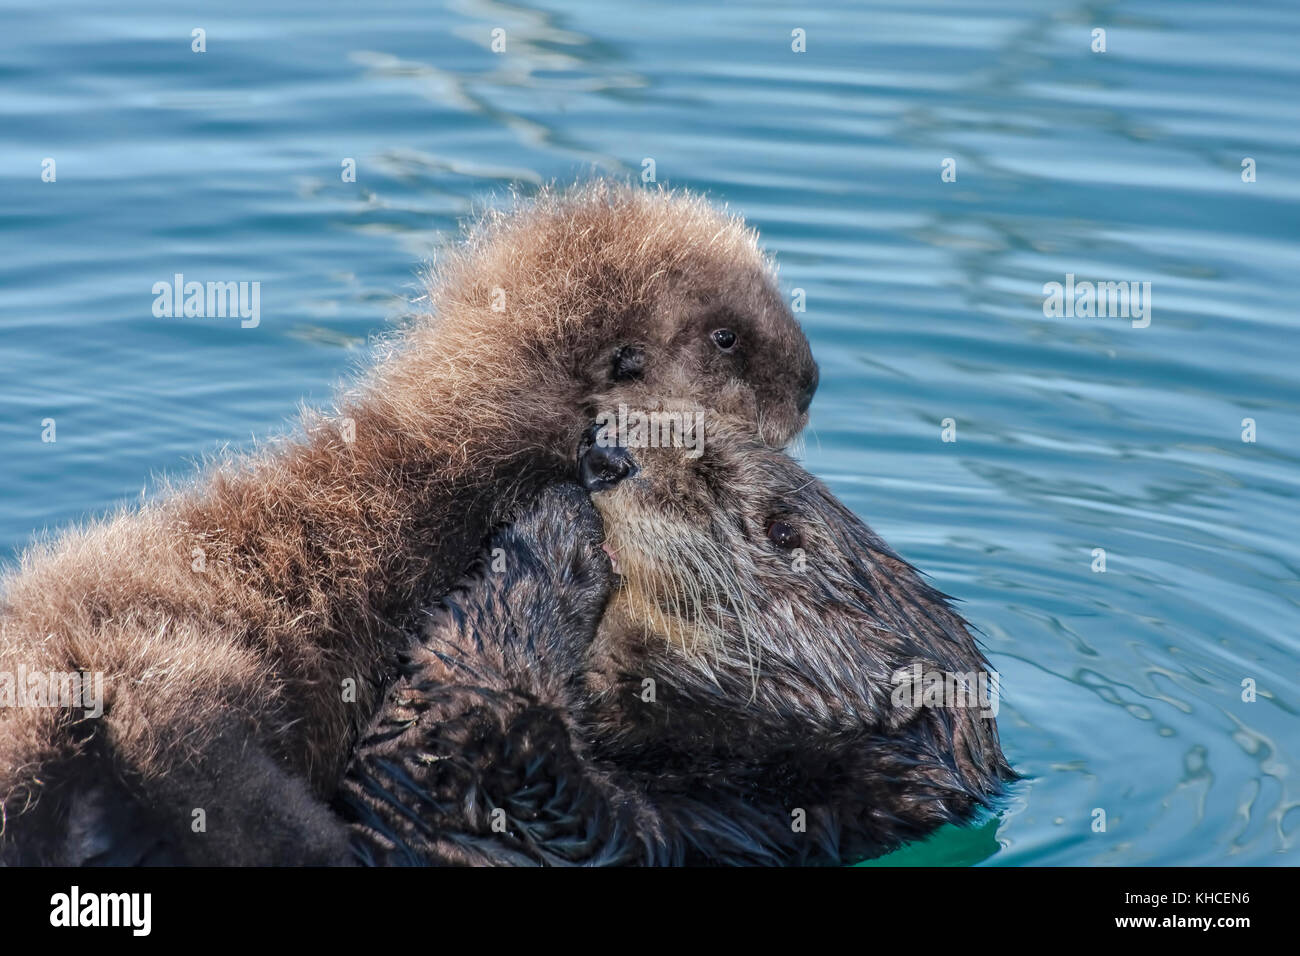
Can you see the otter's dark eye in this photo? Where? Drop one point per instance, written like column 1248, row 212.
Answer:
column 784, row 535
column 724, row 339
column 629, row 363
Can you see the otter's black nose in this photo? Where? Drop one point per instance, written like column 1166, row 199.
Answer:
column 603, row 466
column 809, row 388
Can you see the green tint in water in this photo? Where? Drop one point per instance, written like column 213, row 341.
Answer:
column 950, row 846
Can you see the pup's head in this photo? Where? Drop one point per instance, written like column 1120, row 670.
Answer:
column 750, row 594
column 625, row 295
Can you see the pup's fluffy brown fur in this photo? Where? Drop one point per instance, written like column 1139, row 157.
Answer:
column 225, row 686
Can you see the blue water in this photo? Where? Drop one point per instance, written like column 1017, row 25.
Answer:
column 1122, row 690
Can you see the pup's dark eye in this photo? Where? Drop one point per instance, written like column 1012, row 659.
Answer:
column 784, row 535
column 725, row 339
column 629, row 362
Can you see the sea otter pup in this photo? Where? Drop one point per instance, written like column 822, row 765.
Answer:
column 747, row 692
column 246, row 625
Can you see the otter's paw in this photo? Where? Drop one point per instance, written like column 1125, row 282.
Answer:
column 526, row 621
column 558, row 541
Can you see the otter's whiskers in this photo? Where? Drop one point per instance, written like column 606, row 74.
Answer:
column 688, row 590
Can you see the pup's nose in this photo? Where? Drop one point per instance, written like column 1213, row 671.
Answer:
column 603, row 466
column 809, row 389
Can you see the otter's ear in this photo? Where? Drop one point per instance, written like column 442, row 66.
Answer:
column 906, row 693
column 629, row 363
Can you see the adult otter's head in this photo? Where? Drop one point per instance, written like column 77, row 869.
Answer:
column 764, row 610
column 606, row 294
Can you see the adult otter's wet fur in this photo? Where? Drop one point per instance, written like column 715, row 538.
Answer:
column 742, row 680
column 476, row 757
column 230, row 617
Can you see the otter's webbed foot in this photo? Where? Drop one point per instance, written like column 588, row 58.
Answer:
column 84, row 816
column 473, row 758
column 109, row 827
column 231, row 805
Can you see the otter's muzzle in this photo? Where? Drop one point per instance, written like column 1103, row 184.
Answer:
column 808, row 388
column 603, row 466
